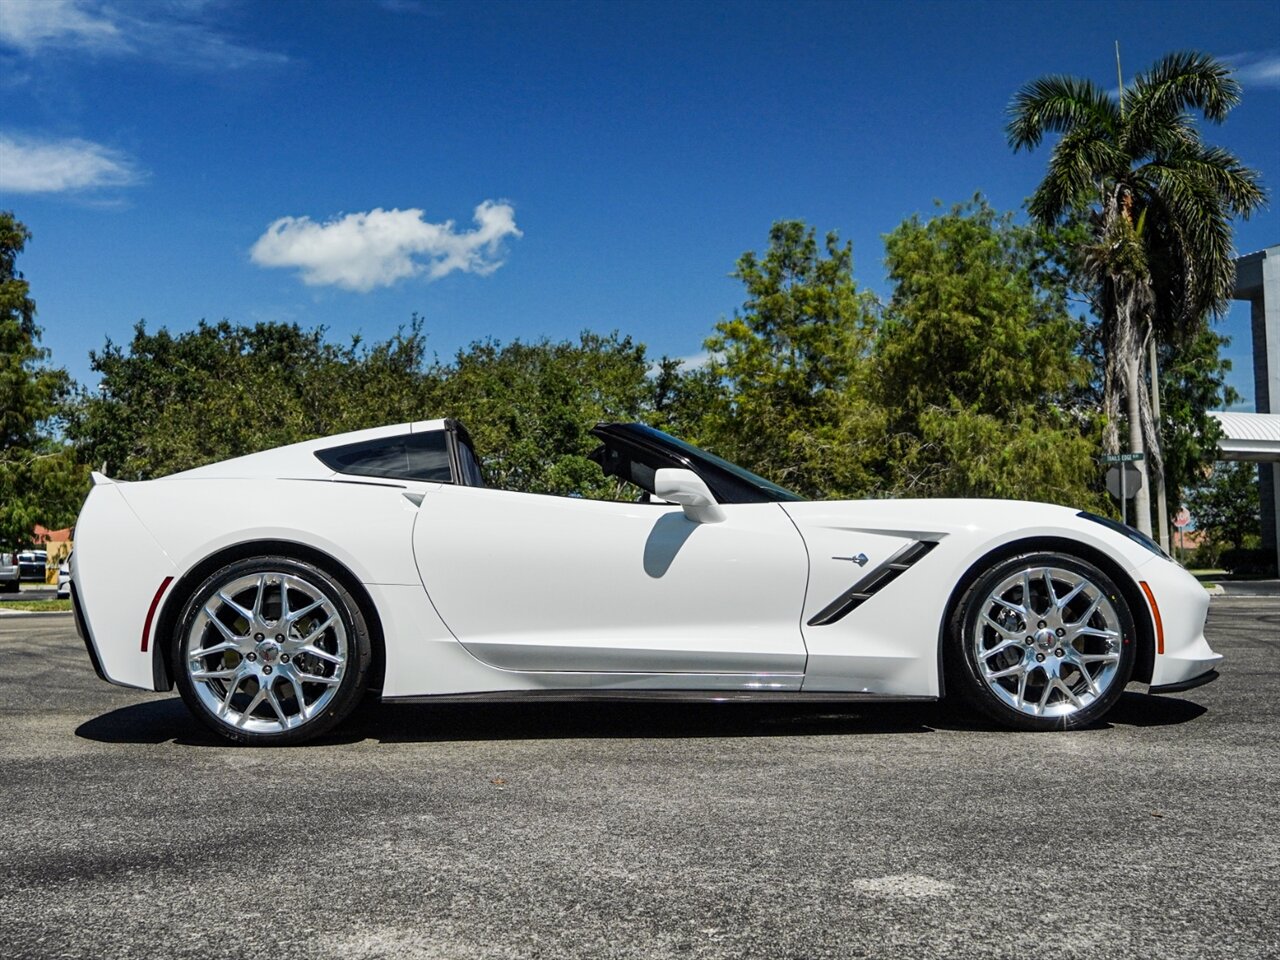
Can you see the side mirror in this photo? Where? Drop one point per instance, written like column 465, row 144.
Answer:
column 687, row 489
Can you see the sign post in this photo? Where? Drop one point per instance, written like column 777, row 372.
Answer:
column 1181, row 521
column 1122, row 461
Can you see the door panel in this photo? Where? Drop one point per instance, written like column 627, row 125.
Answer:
column 541, row 583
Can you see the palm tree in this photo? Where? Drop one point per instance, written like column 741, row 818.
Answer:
column 1159, row 204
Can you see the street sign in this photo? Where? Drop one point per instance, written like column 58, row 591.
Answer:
column 1182, row 519
column 1121, row 458
column 1123, row 480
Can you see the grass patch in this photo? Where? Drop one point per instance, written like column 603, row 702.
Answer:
column 36, row 606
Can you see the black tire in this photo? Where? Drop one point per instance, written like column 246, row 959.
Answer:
column 1036, row 653
column 349, row 688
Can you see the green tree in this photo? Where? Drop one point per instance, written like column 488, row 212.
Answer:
column 530, row 406
column 978, row 364
column 1159, row 202
column 40, row 480
column 790, row 361
column 1192, row 381
column 1225, row 505
column 169, row 402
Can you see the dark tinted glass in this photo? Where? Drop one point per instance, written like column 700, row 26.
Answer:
column 412, row 456
column 471, row 474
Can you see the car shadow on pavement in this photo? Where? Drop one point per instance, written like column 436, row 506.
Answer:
column 164, row 721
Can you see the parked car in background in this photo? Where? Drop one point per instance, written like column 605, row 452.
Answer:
column 64, row 579
column 9, row 573
column 32, row 564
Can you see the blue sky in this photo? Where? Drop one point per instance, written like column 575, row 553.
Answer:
column 527, row 169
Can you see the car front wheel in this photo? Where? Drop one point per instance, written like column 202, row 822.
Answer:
column 1045, row 641
column 271, row 651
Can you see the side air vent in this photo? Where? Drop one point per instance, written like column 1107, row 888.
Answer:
column 872, row 583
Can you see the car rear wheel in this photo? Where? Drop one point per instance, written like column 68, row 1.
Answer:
column 1045, row 641
column 271, row 651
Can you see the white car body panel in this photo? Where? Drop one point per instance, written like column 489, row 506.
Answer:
column 603, row 587
column 482, row 591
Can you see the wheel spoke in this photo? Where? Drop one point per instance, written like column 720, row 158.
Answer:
column 1013, row 671
column 253, row 705
column 1095, row 632
column 1000, row 647
column 318, row 631
column 1026, row 591
column 298, row 695
column 1071, row 694
column 1075, row 591
column 1044, row 694
column 1021, row 699
column 217, row 648
column 214, row 674
column 257, row 598
column 1093, row 608
column 316, row 678
column 297, row 615
column 313, row 651
column 245, row 613
column 1048, row 585
column 231, row 692
column 1089, row 682
column 275, row 705
column 222, row 628
column 994, row 625
column 1099, row 657
column 1022, row 611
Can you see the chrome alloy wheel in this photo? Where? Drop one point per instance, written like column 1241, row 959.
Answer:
column 267, row 652
column 1047, row 641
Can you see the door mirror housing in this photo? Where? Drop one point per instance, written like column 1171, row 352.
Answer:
column 687, row 489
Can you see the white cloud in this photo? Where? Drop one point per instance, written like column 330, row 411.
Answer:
column 361, row 251
column 694, row 361
column 181, row 32
column 31, row 24
column 1257, row 69
column 30, row 165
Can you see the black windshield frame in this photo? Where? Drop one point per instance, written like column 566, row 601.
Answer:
column 728, row 482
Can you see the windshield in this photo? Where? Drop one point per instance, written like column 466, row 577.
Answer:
column 700, row 457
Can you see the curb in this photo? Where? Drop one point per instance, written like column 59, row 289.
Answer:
column 34, row 613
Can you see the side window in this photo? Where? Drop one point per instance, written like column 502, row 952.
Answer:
column 471, row 473
column 411, row 456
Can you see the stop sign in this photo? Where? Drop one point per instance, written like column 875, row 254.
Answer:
column 1183, row 518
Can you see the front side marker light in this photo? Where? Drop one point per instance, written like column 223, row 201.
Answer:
column 1155, row 613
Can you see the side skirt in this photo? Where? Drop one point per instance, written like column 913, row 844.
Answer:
column 681, row 696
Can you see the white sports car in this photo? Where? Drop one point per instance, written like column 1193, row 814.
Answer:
column 275, row 589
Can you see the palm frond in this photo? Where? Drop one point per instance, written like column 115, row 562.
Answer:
column 1203, row 227
column 1080, row 161
column 1182, row 81
column 1058, row 104
column 1237, row 186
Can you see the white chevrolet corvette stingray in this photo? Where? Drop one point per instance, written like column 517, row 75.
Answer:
column 276, row 589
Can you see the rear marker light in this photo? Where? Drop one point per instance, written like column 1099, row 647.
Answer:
column 151, row 611
column 1155, row 612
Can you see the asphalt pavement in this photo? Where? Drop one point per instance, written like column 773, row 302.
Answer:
column 640, row 830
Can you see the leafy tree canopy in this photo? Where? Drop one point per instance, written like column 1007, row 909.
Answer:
column 790, row 363
column 978, row 363
column 40, row 480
